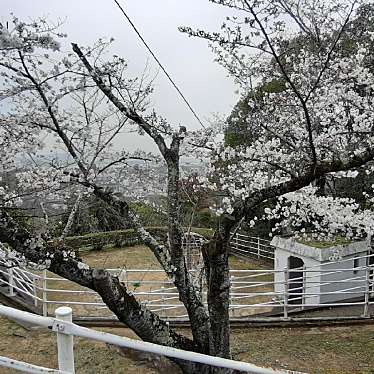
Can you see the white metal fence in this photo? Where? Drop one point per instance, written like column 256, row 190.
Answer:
column 66, row 330
column 20, row 282
column 250, row 246
column 259, row 292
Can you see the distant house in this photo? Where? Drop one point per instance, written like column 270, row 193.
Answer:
column 312, row 276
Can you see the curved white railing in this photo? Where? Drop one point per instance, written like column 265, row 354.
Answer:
column 252, row 291
column 65, row 331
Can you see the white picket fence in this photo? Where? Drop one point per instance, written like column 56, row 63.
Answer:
column 65, row 330
column 252, row 293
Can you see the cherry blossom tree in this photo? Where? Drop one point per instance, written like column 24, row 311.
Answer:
column 320, row 123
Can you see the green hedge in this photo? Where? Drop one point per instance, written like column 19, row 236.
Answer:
column 121, row 238
column 207, row 233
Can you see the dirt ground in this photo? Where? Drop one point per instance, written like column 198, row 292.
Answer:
column 338, row 350
column 39, row 348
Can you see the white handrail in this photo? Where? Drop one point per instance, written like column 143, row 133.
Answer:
column 68, row 328
column 26, row 367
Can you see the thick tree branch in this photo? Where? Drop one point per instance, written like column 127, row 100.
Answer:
column 71, row 217
column 312, row 173
column 123, row 209
column 129, row 113
column 146, row 324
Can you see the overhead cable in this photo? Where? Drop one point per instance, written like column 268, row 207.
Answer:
column 159, row 63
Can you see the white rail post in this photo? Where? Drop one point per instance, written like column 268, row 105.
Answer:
column 44, row 292
column 35, row 290
column 125, row 278
column 65, row 343
column 367, row 292
column 258, row 248
column 231, row 309
column 204, row 295
column 11, row 282
column 163, row 312
column 303, row 296
column 285, row 303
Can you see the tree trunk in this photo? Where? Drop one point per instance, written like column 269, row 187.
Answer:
column 73, row 212
column 188, row 294
column 218, row 279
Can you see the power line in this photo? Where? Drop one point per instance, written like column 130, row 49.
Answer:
column 159, row 63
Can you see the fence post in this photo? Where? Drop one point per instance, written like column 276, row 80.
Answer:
column 367, row 292
column 65, row 343
column 258, row 248
column 11, row 282
column 163, row 301
column 44, row 293
column 125, row 278
column 303, row 296
column 231, row 309
column 285, row 303
column 35, row 290
column 204, row 295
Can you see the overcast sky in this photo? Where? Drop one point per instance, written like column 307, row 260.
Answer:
column 188, row 60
